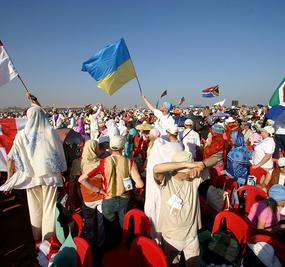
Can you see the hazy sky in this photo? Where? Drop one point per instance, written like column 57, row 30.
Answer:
column 181, row 46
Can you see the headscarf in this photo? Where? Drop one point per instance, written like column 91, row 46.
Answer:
column 129, row 146
column 90, row 153
column 218, row 128
column 37, row 151
column 217, row 145
column 153, row 135
column 238, row 157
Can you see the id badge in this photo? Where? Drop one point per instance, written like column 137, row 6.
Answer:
column 175, row 202
column 128, row 185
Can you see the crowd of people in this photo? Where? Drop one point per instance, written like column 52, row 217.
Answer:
column 151, row 158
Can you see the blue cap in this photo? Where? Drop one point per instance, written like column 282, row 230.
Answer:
column 168, row 106
column 277, row 192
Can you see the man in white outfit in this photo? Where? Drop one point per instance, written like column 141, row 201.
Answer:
column 162, row 151
column 190, row 138
column 94, row 128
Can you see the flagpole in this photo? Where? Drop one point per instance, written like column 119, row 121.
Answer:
column 139, row 84
column 26, row 88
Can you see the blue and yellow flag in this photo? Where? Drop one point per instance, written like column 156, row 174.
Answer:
column 111, row 67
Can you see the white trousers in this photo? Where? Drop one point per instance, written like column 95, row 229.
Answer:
column 42, row 203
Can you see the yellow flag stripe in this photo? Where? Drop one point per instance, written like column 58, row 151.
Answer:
column 112, row 82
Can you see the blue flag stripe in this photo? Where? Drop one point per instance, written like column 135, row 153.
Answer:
column 107, row 60
column 208, row 94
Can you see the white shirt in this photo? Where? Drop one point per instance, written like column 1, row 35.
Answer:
column 163, row 122
column 94, row 120
column 72, row 123
column 281, row 179
column 266, row 146
column 57, row 123
column 190, row 140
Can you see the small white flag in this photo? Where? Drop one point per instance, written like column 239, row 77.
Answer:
column 7, row 70
column 221, row 103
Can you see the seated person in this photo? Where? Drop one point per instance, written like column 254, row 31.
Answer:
column 238, row 159
column 265, row 214
column 276, row 177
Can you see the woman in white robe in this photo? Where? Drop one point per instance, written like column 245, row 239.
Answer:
column 38, row 156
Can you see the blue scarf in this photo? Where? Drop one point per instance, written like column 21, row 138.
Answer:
column 238, row 158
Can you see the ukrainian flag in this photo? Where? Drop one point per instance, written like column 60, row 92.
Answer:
column 111, row 67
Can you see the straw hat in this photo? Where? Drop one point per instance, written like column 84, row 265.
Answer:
column 144, row 126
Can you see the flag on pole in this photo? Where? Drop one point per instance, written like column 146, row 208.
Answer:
column 111, row 67
column 278, row 97
column 8, row 131
column 211, row 91
column 164, row 93
column 181, row 101
column 7, row 70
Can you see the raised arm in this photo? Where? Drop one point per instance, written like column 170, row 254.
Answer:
column 98, row 111
column 147, row 103
column 160, row 169
column 32, row 98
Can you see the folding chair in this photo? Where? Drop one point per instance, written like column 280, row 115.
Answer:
column 84, row 252
column 248, row 195
column 145, row 252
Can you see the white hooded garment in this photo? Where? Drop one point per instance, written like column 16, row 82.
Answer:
column 38, row 154
column 162, row 151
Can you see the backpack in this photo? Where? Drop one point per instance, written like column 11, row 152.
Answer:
column 224, row 248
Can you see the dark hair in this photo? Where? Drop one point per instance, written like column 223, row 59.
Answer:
column 130, row 125
column 270, row 202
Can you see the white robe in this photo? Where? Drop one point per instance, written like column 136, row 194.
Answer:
column 162, row 151
column 38, row 154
